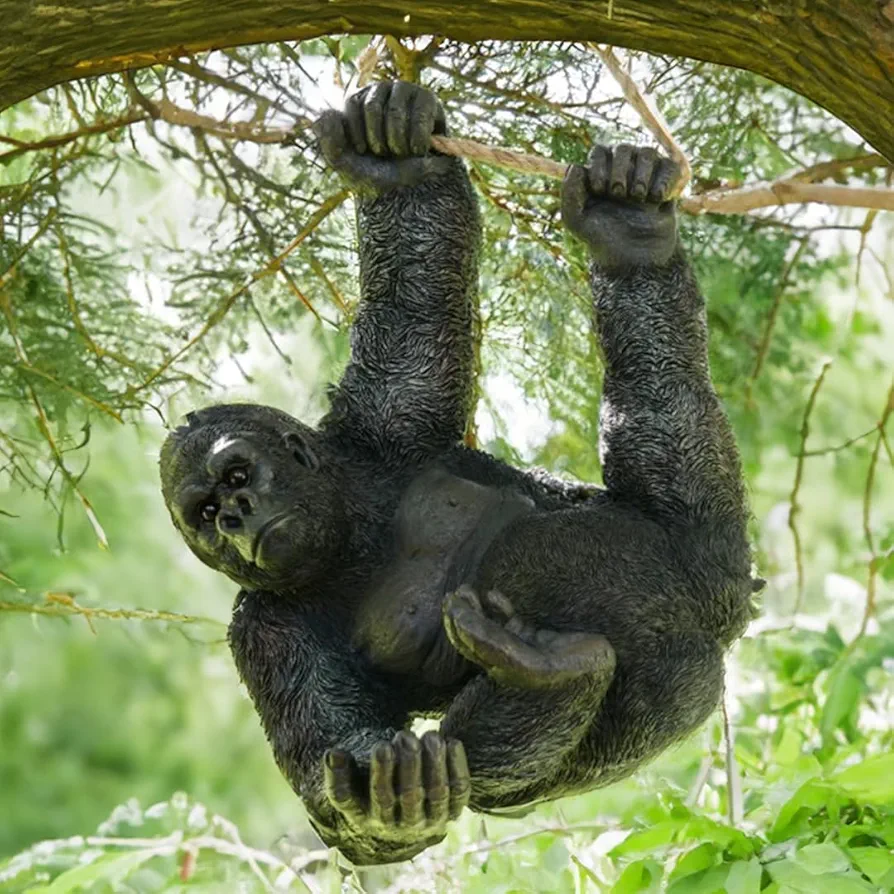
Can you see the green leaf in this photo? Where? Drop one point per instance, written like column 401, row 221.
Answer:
column 641, row 876
column 873, row 779
column 704, row 856
column 707, row 881
column 110, row 868
column 807, row 800
column 793, row 875
column 819, row 859
column 846, row 691
column 744, row 878
column 657, row 836
column 876, row 862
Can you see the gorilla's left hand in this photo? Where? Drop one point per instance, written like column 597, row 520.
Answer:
column 409, row 793
column 382, row 139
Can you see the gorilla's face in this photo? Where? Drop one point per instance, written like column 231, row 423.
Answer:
column 250, row 496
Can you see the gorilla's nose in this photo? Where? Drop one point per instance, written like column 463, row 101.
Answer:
column 235, row 510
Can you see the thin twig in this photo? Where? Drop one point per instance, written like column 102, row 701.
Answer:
column 794, row 505
column 823, row 451
column 875, row 560
column 43, row 425
column 99, row 127
column 764, row 346
column 10, row 270
column 63, row 605
column 215, row 317
column 733, row 776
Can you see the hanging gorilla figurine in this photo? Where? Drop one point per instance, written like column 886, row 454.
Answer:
column 563, row 634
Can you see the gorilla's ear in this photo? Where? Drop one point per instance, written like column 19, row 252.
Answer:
column 301, row 450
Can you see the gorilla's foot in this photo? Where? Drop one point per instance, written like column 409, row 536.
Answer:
column 515, row 653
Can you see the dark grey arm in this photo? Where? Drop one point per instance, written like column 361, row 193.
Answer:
column 666, row 444
column 371, row 789
column 409, row 382
column 667, row 447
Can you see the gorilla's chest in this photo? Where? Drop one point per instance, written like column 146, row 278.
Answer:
column 442, row 528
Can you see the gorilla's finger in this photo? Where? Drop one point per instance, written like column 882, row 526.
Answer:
column 329, row 130
column 646, row 159
column 397, row 118
column 355, row 121
column 502, row 608
column 422, row 121
column 622, row 165
column 410, row 793
column 599, row 165
column 440, row 127
column 338, row 783
column 435, row 778
column 374, row 106
column 574, row 199
column 664, row 180
column 381, row 785
column 460, row 779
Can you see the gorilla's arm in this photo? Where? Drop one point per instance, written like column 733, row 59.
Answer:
column 667, row 447
column 669, row 569
column 370, row 788
column 409, row 382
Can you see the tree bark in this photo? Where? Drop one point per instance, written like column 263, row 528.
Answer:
column 839, row 53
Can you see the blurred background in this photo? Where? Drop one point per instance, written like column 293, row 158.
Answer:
column 143, row 274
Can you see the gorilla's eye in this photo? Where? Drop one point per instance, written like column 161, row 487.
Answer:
column 209, row 512
column 237, row 477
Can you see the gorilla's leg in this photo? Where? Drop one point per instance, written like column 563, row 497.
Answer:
column 516, row 653
column 542, row 691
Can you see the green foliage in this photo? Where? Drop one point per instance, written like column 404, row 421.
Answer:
column 136, row 280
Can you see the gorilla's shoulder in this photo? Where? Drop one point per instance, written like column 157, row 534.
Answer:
column 547, row 490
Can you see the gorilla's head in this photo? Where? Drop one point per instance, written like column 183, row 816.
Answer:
column 249, row 491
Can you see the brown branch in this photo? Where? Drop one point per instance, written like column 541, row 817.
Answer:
column 63, row 605
column 133, row 116
column 764, row 345
column 647, row 110
column 876, row 560
column 794, row 505
column 788, row 191
column 719, row 201
column 173, row 114
column 836, row 166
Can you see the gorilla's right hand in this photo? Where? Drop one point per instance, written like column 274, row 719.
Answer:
column 382, row 139
column 412, row 789
column 620, row 204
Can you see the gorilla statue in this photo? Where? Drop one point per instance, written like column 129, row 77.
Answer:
column 564, row 634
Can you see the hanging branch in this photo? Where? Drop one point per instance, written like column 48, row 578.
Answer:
column 792, row 189
column 794, row 504
column 215, row 317
column 647, row 110
column 876, row 559
column 63, row 605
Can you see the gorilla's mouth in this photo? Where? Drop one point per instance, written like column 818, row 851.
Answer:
column 266, row 529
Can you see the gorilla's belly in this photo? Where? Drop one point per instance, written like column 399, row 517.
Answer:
column 444, row 525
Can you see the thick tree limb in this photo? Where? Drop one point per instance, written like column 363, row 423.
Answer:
column 839, row 53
